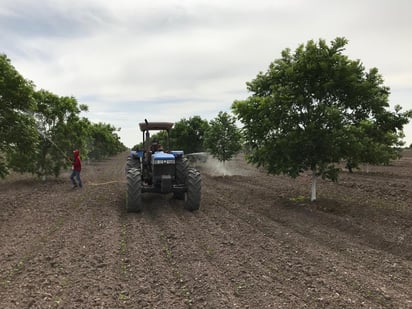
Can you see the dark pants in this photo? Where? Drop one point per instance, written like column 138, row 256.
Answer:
column 77, row 175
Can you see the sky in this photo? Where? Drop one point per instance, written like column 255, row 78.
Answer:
column 165, row 60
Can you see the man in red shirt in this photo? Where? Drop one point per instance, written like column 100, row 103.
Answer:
column 76, row 169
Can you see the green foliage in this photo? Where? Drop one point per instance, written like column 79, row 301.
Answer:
column 59, row 131
column 223, row 137
column 104, row 141
column 188, row 134
column 17, row 131
column 138, row 146
column 162, row 139
column 39, row 130
column 315, row 107
column 374, row 145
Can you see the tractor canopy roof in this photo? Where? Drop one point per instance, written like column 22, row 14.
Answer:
column 155, row 126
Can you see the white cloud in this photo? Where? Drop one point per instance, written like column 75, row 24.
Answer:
column 170, row 59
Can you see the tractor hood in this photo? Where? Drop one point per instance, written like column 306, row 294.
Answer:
column 162, row 157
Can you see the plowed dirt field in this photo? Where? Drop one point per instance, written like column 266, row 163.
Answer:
column 256, row 241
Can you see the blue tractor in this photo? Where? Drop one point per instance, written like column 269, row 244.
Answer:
column 158, row 170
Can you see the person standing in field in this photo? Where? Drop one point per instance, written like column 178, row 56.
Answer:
column 76, row 169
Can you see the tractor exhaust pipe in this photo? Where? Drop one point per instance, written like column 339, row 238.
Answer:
column 147, row 144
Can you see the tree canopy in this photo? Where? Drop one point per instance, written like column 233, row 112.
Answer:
column 188, row 134
column 223, row 137
column 17, row 132
column 39, row 129
column 104, row 141
column 315, row 107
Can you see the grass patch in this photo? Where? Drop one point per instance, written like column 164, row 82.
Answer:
column 123, row 296
column 299, row 199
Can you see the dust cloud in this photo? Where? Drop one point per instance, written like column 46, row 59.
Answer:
column 235, row 167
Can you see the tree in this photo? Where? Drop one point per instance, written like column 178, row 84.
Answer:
column 313, row 108
column 59, row 130
column 39, row 130
column 188, row 134
column 372, row 145
column 223, row 137
column 17, row 130
column 104, row 141
column 161, row 138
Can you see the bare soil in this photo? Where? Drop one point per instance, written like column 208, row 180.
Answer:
column 256, row 242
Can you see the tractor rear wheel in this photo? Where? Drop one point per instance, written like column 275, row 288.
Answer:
column 132, row 163
column 134, row 191
column 193, row 193
column 182, row 167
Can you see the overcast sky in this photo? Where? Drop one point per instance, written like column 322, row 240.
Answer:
column 165, row 60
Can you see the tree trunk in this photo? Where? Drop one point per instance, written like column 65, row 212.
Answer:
column 313, row 193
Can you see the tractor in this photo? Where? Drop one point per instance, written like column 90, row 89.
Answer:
column 158, row 170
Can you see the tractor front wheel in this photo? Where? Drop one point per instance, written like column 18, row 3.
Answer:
column 134, row 191
column 193, row 193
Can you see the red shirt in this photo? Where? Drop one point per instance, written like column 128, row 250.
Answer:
column 77, row 164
